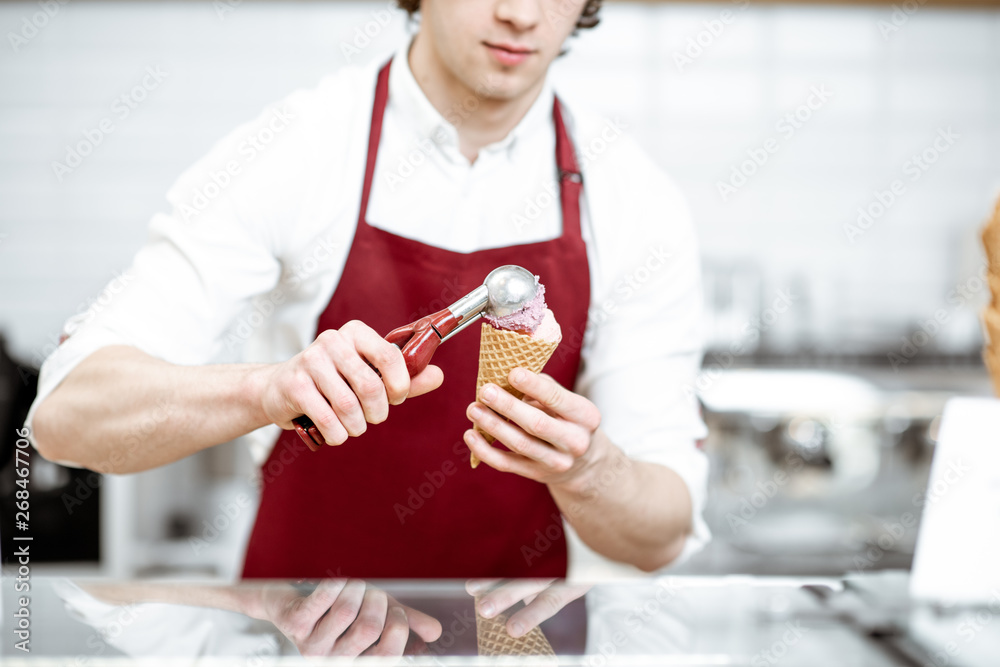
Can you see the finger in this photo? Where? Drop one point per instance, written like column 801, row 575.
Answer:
column 316, row 407
column 506, row 596
column 394, row 635
column 474, row 586
column 366, row 628
column 342, row 401
column 535, row 404
column 556, row 397
column 323, row 597
column 501, row 460
column 426, row 381
column 516, row 440
column 367, row 386
column 544, row 606
column 387, row 358
column 427, row 627
column 341, row 615
column 308, row 614
column 561, row 434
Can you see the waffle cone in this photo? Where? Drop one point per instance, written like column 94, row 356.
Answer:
column 992, row 358
column 991, row 322
column 494, row 641
column 991, row 241
column 502, row 351
column 994, row 278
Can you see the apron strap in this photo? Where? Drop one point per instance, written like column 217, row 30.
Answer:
column 570, row 178
column 374, row 136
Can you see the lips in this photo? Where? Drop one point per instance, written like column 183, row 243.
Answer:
column 508, row 54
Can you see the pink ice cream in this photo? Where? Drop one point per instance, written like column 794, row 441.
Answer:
column 549, row 330
column 527, row 319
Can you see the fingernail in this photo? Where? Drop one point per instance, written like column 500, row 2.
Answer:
column 517, row 375
column 489, row 393
column 516, row 630
column 473, row 587
column 486, row 609
column 476, row 412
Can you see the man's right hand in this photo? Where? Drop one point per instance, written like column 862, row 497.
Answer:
column 331, row 383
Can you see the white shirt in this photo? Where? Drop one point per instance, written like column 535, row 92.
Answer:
column 250, row 254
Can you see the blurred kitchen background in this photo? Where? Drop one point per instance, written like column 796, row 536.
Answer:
column 832, row 341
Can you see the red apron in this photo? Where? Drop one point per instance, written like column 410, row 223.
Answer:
column 401, row 500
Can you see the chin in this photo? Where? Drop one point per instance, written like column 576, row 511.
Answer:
column 506, row 83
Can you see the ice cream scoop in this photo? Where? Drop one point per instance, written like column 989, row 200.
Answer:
column 505, row 292
column 525, row 319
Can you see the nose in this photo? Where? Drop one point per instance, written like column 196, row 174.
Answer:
column 520, row 14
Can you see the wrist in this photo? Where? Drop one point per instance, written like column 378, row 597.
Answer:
column 590, row 466
column 249, row 600
column 251, row 392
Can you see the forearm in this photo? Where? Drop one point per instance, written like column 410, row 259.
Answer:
column 630, row 511
column 121, row 410
column 231, row 598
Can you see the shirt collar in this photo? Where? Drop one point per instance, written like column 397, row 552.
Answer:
column 413, row 104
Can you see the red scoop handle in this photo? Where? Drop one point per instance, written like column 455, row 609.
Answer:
column 417, row 341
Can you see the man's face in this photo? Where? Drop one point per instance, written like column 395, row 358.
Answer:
column 498, row 48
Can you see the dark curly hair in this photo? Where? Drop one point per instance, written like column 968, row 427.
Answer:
column 588, row 19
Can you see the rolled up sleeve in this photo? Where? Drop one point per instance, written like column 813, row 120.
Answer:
column 643, row 348
column 200, row 267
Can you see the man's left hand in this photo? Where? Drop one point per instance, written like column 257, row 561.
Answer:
column 543, row 599
column 550, row 434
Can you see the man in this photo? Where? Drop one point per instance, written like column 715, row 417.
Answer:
column 464, row 161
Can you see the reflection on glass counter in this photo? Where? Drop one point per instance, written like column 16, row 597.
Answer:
column 864, row 620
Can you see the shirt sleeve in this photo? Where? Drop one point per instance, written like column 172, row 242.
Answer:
column 203, row 262
column 643, row 347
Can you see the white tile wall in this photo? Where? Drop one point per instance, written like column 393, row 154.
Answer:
column 59, row 242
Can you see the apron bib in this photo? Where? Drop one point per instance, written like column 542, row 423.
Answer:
column 401, row 501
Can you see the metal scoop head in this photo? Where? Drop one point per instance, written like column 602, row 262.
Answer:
column 507, row 289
